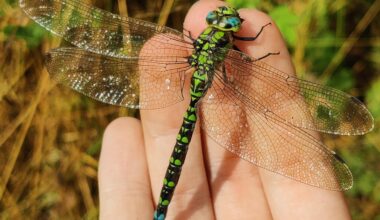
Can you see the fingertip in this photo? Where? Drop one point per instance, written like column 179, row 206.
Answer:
column 122, row 142
column 195, row 20
column 121, row 127
column 269, row 41
column 121, row 136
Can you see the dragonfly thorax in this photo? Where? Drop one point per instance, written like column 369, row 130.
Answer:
column 209, row 51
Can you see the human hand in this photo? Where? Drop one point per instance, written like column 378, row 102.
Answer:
column 215, row 184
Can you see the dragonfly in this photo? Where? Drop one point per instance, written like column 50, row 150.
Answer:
column 243, row 102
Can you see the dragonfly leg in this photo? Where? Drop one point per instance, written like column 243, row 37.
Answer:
column 189, row 35
column 260, row 58
column 182, row 77
column 225, row 79
column 251, row 38
column 236, row 48
column 267, row 55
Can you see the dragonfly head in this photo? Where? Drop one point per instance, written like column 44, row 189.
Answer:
column 225, row 19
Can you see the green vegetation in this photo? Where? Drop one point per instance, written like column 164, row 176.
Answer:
column 50, row 137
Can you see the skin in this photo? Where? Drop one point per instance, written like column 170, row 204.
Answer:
column 215, row 184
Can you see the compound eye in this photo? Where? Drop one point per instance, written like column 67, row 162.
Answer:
column 211, row 17
column 234, row 21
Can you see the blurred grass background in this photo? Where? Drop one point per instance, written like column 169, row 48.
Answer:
column 50, row 136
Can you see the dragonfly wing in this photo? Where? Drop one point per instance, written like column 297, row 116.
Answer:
column 136, row 82
column 299, row 102
column 94, row 29
column 255, row 133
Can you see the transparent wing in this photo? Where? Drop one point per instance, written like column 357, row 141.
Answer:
column 94, row 29
column 145, row 82
column 249, row 129
column 298, row 102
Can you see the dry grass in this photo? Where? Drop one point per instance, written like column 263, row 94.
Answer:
column 45, row 135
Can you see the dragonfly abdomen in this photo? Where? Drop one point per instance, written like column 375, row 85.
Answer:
column 204, row 64
column 179, row 153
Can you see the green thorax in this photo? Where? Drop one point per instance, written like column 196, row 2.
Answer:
column 210, row 47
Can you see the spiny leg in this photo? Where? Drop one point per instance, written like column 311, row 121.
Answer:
column 267, row 55
column 251, row 38
column 224, row 73
column 254, row 38
column 260, row 58
column 189, row 35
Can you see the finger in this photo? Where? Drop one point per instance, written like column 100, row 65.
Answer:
column 288, row 199
column 235, row 184
column 161, row 126
column 124, row 186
